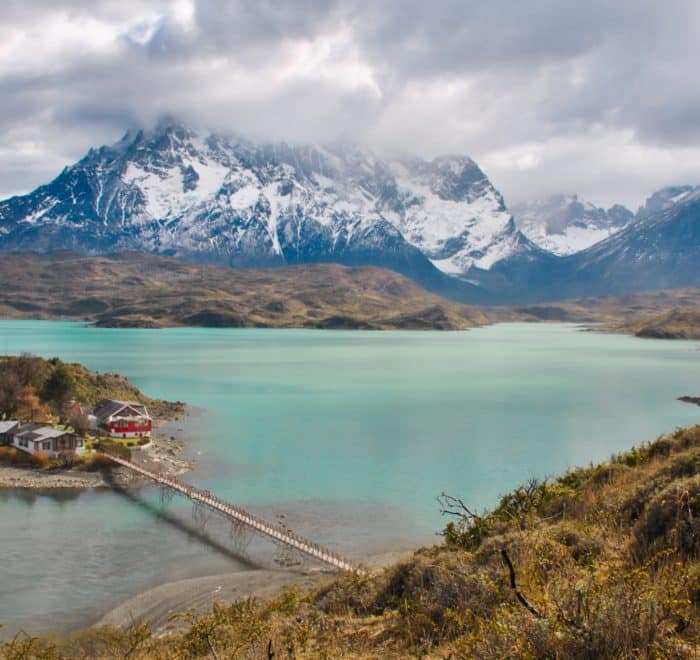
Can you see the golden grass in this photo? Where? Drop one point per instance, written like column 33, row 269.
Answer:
column 132, row 289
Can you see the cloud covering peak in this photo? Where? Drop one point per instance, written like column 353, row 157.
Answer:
column 596, row 97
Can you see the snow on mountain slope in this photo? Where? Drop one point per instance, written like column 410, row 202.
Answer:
column 222, row 199
column 659, row 250
column 454, row 214
column 664, row 199
column 563, row 224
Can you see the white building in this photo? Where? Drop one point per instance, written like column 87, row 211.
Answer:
column 33, row 438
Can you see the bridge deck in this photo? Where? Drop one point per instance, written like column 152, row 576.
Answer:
column 236, row 513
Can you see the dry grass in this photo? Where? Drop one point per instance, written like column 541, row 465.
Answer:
column 679, row 323
column 17, row 457
column 628, row 313
column 132, row 289
column 606, row 558
column 13, row 456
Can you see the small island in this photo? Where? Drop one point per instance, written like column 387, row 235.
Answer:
column 57, row 419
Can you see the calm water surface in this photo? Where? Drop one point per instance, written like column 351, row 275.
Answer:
column 350, row 435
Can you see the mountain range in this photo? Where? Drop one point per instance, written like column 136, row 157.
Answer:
column 224, row 200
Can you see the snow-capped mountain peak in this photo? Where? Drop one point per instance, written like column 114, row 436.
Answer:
column 564, row 224
column 224, row 199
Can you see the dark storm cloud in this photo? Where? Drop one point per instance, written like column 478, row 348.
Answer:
column 594, row 97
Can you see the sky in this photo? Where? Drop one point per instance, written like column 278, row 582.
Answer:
column 598, row 98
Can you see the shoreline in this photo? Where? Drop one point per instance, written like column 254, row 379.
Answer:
column 156, row 606
column 171, row 437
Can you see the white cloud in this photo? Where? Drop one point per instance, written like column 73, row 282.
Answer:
column 593, row 97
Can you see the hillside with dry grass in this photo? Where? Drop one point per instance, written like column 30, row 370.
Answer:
column 679, row 323
column 614, row 311
column 602, row 562
column 139, row 290
column 33, row 388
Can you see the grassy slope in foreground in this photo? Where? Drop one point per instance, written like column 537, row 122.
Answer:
column 606, row 560
column 134, row 289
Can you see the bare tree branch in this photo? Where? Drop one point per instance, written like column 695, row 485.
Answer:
column 514, row 586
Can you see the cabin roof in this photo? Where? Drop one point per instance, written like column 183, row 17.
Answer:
column 37, row 433
column 108, row 407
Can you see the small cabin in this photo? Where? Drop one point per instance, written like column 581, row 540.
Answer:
column 123, row 419
column 34, row 438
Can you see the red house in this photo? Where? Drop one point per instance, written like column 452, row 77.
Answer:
column 123, row 419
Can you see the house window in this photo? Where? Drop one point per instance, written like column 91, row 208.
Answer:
column 46, row 446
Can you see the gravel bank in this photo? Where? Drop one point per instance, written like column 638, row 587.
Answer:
column 156, row 606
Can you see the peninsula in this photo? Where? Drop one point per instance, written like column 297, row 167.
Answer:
column 58, row 416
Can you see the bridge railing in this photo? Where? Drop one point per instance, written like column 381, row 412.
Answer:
column 276, row 532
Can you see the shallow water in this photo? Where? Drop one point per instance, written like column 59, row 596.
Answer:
column 351, row 435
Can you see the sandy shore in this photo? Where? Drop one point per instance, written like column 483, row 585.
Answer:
column 156, row 606
column 170, row 438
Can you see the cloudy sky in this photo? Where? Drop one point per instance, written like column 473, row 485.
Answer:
column 597, row 97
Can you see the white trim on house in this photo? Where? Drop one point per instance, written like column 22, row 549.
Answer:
column 32, row 438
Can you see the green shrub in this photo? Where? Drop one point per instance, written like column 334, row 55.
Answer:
column 96, row 462
column 113, row 447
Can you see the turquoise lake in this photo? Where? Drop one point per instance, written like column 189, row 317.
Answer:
column 350, row 435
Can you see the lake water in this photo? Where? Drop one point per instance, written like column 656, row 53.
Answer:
column 350, row 435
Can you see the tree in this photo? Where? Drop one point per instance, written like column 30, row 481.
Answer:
column 10, row 388
column 60, row 386
column 79, row 421
column 31, row 370
column 29, row 407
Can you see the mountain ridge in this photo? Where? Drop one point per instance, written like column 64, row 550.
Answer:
column 566, row 224
column 224, row 200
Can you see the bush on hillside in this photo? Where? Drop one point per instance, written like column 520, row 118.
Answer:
column 39, row 459
column 670, row 521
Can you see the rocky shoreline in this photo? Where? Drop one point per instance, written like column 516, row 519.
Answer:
column 164, row 454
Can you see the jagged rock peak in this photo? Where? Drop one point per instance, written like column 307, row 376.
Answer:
column 565, row 224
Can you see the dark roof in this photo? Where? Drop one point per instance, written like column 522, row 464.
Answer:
column 108, row 407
